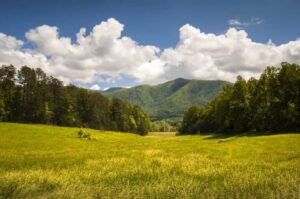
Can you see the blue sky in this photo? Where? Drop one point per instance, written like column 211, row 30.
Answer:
column 153, row 22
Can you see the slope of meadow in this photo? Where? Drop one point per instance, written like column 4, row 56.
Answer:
column 39, row 161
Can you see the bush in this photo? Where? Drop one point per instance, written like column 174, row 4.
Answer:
column 84, row 135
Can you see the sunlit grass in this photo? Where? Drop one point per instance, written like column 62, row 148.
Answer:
column 38, row 161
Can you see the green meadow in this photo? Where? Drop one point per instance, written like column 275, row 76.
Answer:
column 39, row 161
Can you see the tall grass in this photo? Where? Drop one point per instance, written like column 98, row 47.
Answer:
column 38, row 161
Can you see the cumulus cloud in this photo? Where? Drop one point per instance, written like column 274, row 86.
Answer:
column 11, row 52
column 224, row 56
column 103, row 55
column 102, row 52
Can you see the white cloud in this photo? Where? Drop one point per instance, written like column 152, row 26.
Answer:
column 11, row 52
column 210, row 56
column 8, row 42
column 234, row 22
column 95, row 87
column 240, row 25
column 150, row 72
column 104, row 55
column 102, row 52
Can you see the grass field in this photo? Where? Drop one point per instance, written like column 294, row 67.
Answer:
column 38, row 161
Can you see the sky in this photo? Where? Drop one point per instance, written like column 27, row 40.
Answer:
column 111, row 43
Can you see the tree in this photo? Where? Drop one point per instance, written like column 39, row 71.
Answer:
column 289, row 80
column 271, row 103
column 27, row 78
column 239, row 106
column 142, row 121
column 2, row 109
column 37, row 98
column 7, row 85
column 190, row 120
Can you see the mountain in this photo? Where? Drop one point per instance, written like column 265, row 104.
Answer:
column 170, row 99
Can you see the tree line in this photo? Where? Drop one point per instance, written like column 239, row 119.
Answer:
column 29, row 95
column 270, row 103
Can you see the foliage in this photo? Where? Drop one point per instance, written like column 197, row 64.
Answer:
column 190, row 121
column 84, row 135
column 170, row 99
column 39, row 161
column 271, row 103
column 29, row 95
column 162, row 126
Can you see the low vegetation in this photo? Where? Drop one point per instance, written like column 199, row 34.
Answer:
column 167, row 125
column 270, row 103
column 84, row 135
column 39, row 161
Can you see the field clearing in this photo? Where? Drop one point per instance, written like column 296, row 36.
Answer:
column 161, row 134
column 39, row 161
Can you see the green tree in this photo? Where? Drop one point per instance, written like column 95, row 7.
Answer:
column 271, row 103
column 239, row 106
column 7, row 85
column 190, row 121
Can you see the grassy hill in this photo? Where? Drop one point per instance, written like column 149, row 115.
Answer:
column 170, row 99
column 39, row 161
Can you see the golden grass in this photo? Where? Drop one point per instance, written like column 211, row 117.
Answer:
column 39, row 161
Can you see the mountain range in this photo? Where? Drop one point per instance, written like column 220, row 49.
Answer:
column 169, row 99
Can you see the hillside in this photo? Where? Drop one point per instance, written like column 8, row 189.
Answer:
column 170, row 99
column 40, row 161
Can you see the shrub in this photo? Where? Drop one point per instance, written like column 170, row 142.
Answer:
column 84, row 135
column 80, row 133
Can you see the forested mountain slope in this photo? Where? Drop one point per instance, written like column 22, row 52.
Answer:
column 170, row 99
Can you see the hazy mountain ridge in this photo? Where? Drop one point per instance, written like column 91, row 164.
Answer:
column 169, row 99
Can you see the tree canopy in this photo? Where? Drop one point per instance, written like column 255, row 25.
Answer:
column 28, row 95
column 270, row 103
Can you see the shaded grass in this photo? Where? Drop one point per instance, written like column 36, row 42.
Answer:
column 38, row 161
column 246, row 134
